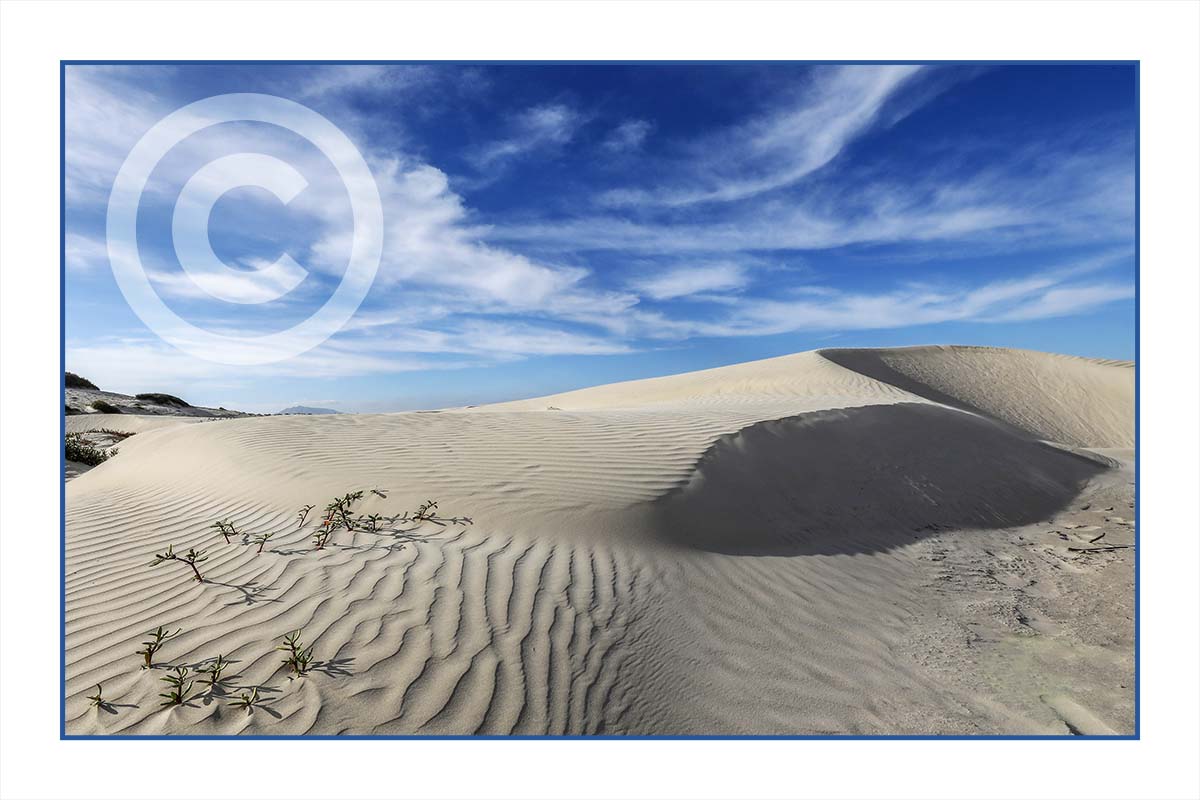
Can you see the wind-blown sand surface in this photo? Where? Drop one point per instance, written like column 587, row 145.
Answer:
column 840, row 541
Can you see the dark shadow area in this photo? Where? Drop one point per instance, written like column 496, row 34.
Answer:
column 111, row 708
column 868, row 362
column 334, row 667
column 250, row 590
column 864, row 480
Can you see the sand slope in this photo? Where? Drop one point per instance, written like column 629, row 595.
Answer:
column 759, row 548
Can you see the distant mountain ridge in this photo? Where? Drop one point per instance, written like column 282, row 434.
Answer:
column 310, row 410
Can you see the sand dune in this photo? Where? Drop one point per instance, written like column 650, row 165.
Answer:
column 829, row 542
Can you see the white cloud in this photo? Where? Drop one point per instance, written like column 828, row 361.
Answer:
column 336, row 80
column 1080, row 197
column 538, row 128
column 781, row 148
column 628, row 136
column 691, row 279
column 1040, row 296
column 105, row 116
column 430, row 245
column 1065, row 301
column 85, row 253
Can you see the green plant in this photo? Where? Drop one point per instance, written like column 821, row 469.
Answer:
column 97, row 698
column 321, row 536
column 302, row 514
column 79, row 449
column 105, row 407
column 73, row 381
column 119, row 435
column 370, row 522
column 246, row 701
column 426, row 511
column 192, row 557
column 212, row 671
column 179, row 689
column 339, row 510
column 226, row 528
column 261, row 539
column 157, row 638
column 298, row 658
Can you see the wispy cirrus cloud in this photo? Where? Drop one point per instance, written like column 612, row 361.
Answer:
column 85, row 253
column 1078, row 196
column 1043, row 295
column 628, row 136
column 690, row 279
column 535, row 129
column 777, row 149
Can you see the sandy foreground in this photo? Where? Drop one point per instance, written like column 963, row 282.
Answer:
column 932, row 540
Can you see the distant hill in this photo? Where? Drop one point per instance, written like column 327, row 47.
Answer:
column 83, row 397
column 309, row 410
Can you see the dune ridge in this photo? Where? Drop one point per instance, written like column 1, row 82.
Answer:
column 751, row 549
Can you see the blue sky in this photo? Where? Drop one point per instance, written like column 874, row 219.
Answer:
column 551, row 227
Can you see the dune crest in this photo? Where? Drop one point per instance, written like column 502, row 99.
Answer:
column 758, row 548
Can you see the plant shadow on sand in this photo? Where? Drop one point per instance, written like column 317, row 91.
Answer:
column 866, row 480
column 251, row 592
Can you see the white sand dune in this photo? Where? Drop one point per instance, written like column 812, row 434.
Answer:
column 831, row 542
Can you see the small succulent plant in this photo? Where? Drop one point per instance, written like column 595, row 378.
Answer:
column 157, row 637
column 302, row 514
column 226, row 528
column 379, row 493
column 369, row 522
column 179, row 687
column 321, row 536
column 192, row 557
column 97, row 698
column 213, row 671
column 338, row 511
column 297, row 657
column 246, row 701
column 426, row 511
column 261, row 539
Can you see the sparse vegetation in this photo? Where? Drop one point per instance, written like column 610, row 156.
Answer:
column 246, row 701
column 179, row 689
column 226, row 528
column 97, row 698
column 425, row 511
column 213, row 670
column 80, row 449
column 302, row 514
column 73, row 381
column 118, row 435
column 339, row 510
column 261, row 539
column 157, row 638
column 369, row 522
column 379, row 492
column 105, row 407
column 321, row 536
column 192, row 557
column 163, row 399
column 297, row 657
